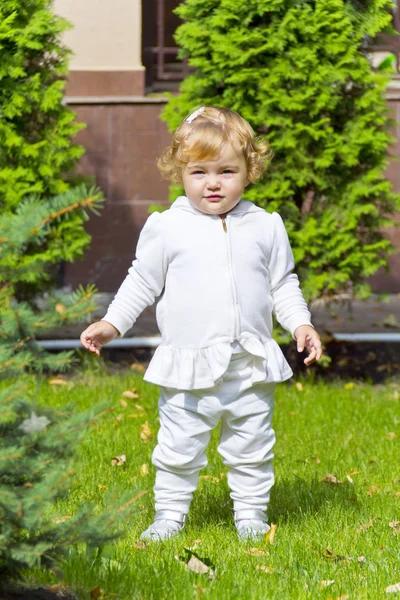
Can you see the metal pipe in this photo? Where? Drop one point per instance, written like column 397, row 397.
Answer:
column 137, row 342
column 153, row 342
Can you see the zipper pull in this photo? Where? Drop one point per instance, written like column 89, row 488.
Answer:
column 224, row 225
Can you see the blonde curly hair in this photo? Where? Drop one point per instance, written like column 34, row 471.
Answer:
column 201, row 135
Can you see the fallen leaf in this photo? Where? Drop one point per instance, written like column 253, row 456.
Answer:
column 316, row 459
column 58, row 381
column 138, row 367
column 391, row 435
column 366, row 526
column 361, row 559
column 61, row 519
column 194, row 563
column 123, row 403
column 210, row 478
column 299, row 386
column 256, row 552
column 397, row 494
column 373, row 489
column 198, row 589
column 118, row 461
column 336, row 557
column 222, row 474
column 139, row 545
column 144, row 469
column 118, row 419
column 139, row 407
column 395, row 526
column 396, row 395
column 131, row 394
column 60, row 308
column 326, row 582
column 270, row 535
column 265, row 569
column 349, row 386
column 353, row 472
column 145, row 432
column 96, row 593
column 349, row 479
column 329, row 478
column 392, row 589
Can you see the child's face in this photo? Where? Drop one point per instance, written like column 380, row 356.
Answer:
column 216, row 186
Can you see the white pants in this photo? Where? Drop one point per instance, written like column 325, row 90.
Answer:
column 247, row 438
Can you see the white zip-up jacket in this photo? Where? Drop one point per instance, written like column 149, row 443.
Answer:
column 219, row 280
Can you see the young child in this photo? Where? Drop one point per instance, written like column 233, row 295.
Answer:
column 221, row 266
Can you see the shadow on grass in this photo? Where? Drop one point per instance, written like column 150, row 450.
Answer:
column 290, row 500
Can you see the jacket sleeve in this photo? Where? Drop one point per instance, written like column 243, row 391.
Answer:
column 145, row 280
column 289, row 305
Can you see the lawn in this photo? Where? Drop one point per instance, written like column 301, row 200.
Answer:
column 337, row 539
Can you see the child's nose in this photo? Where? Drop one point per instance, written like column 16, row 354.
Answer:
column 213, row 181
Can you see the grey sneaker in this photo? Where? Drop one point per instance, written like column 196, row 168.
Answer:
column 251, row 523
column 167, row 524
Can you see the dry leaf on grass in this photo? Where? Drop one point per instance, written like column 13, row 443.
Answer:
column 299, row 386
column 58, row 381
column 138, row 367
column 349, row 479
column 118, row 461
column 265, row 569
column 349, row 386
column 131, row 394
column 326, row 582
column 256, row 552
column 210, row 478
column 270, row 535
column 145, row 432
column 139, row 407
column 329, row 478
column 373, row 489
column 316, row 459
column 361, row 559
column 144, row 470
column 123, row 403
column 391, row 435
column 96, row 593
column 336, row 557
column 366, row 526
column 395, row 525
column 194, row 563
column 393, row 589
column 139, row 545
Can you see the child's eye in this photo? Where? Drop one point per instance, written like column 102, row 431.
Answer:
column 197, row 172
column 227, row 171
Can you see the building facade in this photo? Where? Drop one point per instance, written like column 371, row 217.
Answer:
column 124, row 58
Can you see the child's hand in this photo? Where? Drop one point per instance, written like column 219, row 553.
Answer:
column 308, row 338
column 98, row 334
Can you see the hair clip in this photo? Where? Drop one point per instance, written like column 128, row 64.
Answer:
column 196, row 113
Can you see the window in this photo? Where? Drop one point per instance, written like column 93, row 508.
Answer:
column 164, row 70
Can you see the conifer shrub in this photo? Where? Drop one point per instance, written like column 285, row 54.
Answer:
column 298, row 71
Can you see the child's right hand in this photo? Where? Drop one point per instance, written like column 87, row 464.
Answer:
column 98, row 334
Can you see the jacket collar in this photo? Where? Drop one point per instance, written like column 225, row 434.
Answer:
column 243, row 206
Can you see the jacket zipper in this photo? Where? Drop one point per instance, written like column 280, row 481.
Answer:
column 234, row 292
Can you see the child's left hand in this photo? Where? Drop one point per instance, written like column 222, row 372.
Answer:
column 308, row 338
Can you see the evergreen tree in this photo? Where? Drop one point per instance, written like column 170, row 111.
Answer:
column 299, row 73
column 37, row 155
column 37, row 445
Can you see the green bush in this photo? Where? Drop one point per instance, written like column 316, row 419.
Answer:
column 299, row 73
column 37, row 155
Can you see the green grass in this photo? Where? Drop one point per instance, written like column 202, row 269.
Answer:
column 322, row 528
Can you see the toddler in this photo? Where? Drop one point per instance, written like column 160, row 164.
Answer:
column 221, row 266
